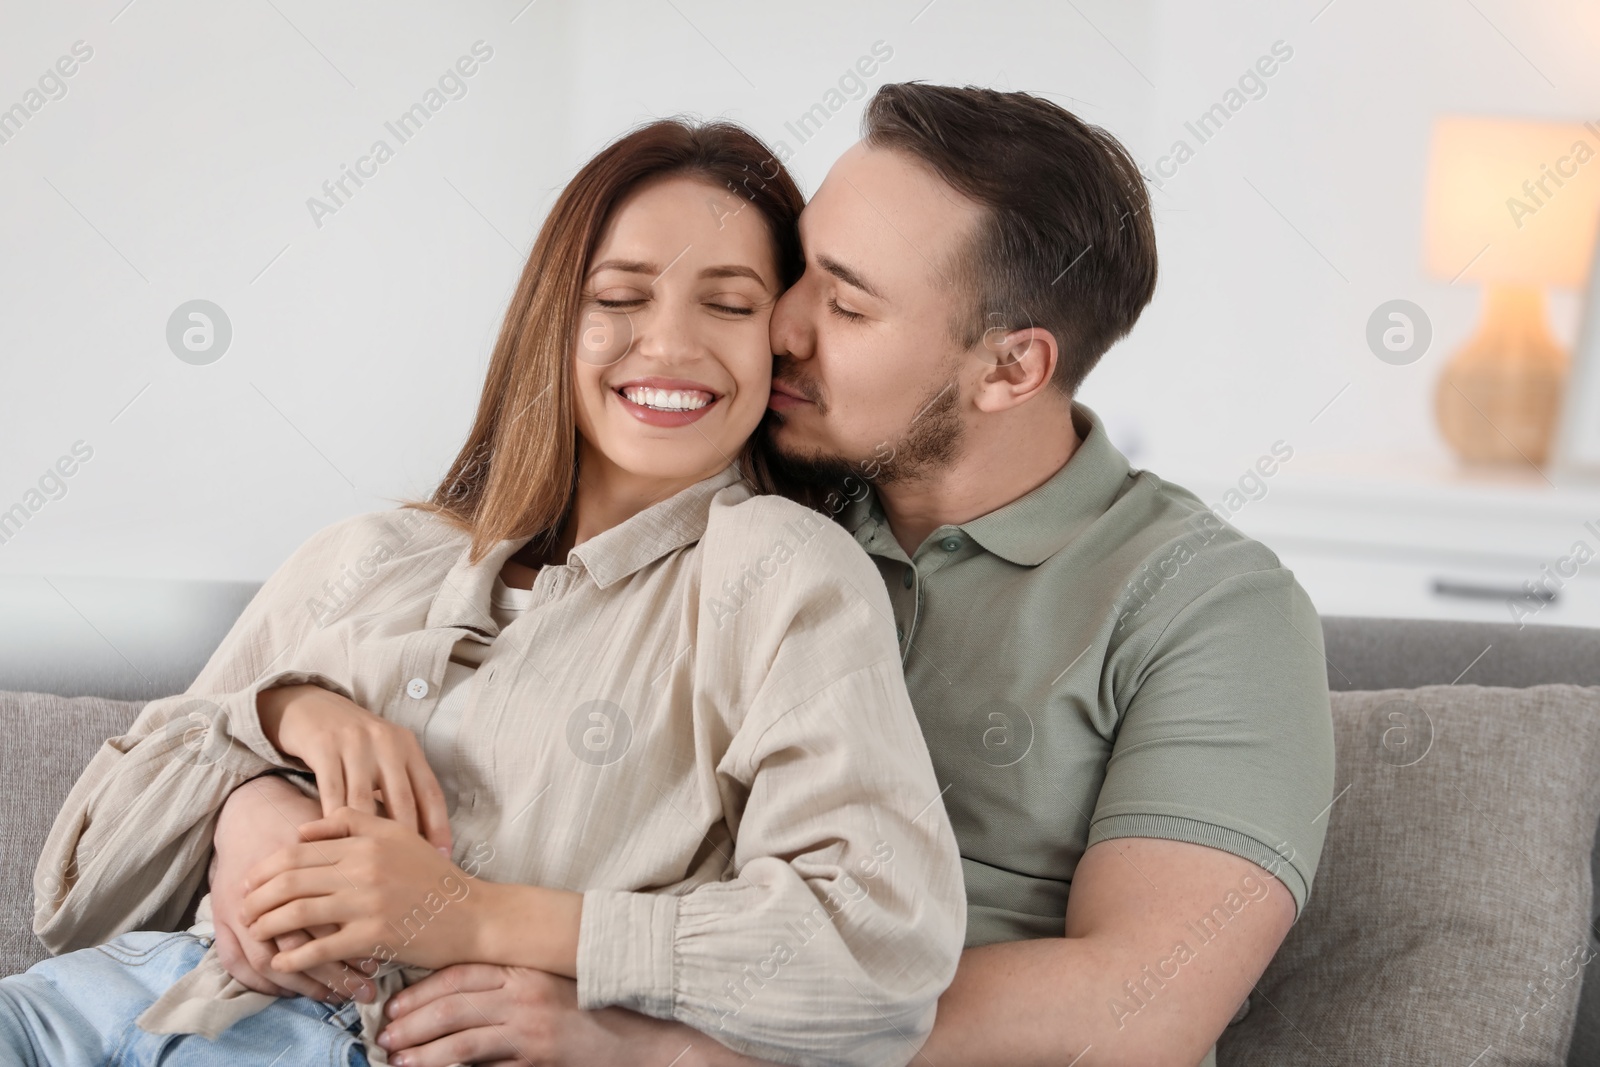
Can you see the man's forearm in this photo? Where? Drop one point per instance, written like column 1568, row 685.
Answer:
column 264, row 807
column 1016, row 1003
column 652, row 1040
column 1045, row 1002
column 1020, row 1003
column 269, row 792
column 1013, row 1004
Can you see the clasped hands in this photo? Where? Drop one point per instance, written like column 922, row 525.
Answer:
column 351, row 869
column 390, row 893
column 313, row 905
column 356, row 757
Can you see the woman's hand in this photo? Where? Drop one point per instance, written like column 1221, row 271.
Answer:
column 355, row 753
column 390, row 894
column 258, row 819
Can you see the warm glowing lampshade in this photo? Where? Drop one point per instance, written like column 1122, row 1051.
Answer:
column 1512, row 202
column 1513, row 205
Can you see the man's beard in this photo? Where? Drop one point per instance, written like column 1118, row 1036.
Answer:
column 929, row 443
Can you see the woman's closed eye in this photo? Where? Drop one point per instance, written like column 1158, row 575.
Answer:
column 629, row 303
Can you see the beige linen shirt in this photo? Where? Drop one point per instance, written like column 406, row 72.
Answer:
column 699, row 722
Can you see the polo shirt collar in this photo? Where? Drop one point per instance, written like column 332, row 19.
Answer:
column 1041, row 522
column 463, row 597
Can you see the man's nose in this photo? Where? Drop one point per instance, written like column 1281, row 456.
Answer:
column 790, row 329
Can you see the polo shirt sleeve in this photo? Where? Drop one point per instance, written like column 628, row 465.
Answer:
column 1227, row 739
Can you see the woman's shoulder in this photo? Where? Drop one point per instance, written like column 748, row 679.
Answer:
column 788, row 602
column 781, row 543
column 741, row 519
column 388, row 532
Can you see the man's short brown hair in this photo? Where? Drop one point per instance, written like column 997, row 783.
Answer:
column 1067, row 243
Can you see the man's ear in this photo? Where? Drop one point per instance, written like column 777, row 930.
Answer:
column 1014, row 366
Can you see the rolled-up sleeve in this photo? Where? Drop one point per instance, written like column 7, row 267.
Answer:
column 843, row 918
column 131, row 845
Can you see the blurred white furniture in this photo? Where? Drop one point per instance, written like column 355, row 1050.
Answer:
column 1376, row 536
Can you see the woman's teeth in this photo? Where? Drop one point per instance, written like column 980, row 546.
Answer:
column 668, row 399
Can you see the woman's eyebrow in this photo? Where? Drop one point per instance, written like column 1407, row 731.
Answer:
column 733, row 270
column 725, row 270
column 627, row 266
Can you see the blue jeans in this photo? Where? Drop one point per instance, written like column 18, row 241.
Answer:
column 78, row 1010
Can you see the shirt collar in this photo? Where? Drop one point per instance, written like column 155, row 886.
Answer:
column 660, row 528
column 463, row 597
column 1041, row 522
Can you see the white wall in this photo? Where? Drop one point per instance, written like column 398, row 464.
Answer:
column 179, row 163
column 1255, row 327
column 177, row 166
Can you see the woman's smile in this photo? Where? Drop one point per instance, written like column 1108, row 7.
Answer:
column 666, row 401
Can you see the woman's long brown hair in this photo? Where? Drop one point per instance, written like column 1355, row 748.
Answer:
column 517, row 472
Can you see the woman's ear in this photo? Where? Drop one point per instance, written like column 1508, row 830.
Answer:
column 1014, row 366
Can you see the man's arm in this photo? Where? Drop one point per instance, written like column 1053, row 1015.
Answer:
column 1116, row 989
column 257, row 819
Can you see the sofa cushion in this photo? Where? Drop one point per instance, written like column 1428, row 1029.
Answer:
column 45, row 743
column 1450, row 919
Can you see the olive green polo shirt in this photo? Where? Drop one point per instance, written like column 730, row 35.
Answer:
column 1101, row 658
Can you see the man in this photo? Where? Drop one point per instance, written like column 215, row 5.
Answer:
column 1123, row 696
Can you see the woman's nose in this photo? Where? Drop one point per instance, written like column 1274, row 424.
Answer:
column 666, row 332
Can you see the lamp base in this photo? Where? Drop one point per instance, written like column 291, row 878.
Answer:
column 1499, row 397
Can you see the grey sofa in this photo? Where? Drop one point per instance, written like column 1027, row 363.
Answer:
column 107, row 645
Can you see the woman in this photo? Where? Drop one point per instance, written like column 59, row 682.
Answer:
column 665, row 710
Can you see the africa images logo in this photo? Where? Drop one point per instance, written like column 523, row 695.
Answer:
column 192, row 731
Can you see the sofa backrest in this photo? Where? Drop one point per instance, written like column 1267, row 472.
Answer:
column 1407, row 653
column 121, row 638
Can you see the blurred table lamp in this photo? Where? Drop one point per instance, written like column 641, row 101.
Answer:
column 1512, row 205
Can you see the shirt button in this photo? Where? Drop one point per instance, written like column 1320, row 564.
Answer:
column 417, row 688
column 950, row 544
column 908, row 579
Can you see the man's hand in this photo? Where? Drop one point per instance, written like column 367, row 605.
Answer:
column 480, row 1012
column 517, row 1016
column 354, row 755
column 258, row 819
